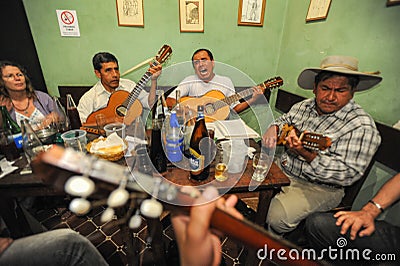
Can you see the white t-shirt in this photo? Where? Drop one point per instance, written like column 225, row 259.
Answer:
column 97, row 97
column 193, row 86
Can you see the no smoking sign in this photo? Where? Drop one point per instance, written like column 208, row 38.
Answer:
column 68, row 22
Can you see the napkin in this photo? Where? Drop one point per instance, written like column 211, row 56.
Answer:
column 6, row 167
column 132, row 143
column 112, row 144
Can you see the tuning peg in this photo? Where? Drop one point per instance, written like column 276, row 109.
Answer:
column 80, row 206
column 80, row 186
column 135, row 221
column 151, row 208
column 107, row 215
column 118, row 197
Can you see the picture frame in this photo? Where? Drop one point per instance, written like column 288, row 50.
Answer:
column 191, row 15
column 318, row 10
column 392, row 2
column 130, row 13
column 251, row 13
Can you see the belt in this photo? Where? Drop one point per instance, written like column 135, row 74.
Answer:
column 325, row 184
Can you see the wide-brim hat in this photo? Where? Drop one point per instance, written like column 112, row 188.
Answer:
column 338, row 64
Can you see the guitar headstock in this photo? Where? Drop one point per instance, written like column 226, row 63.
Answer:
column 312, row 141
column 315, row 141
column 272, row 83
column 163, row 53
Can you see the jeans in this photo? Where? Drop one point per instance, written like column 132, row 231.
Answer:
column 322, row 233
column 57, row 247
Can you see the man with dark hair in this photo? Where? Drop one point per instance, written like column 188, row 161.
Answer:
column 317, row 178
column 206, row 80
column 106, row 69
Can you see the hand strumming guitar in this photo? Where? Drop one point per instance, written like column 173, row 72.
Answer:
column 198, row 245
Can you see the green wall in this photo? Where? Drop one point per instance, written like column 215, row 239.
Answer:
column 67, row 60
column 285, row 45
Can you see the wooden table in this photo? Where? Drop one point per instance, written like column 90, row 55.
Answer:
column 239, row 183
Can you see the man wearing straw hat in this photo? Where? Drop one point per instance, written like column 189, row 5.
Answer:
column 317, row 178
column 106, row 69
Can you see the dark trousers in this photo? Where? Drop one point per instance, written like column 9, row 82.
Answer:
column 380, row 248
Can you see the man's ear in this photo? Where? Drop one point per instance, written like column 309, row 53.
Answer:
column 315, row 88
column 97, row 73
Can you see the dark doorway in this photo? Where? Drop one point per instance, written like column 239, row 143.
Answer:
column 17, row 43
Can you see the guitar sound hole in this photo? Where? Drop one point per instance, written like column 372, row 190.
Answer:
column 209, row 108
column 121, row 110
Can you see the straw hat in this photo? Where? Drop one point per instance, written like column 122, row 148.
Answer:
column 339, row 64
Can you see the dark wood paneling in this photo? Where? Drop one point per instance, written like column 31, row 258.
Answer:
column 17, row 42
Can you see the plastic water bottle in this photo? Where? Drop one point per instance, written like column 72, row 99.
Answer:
column 174, row 139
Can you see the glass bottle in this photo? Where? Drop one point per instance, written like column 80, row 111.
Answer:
column 30, row 141
column 10, row 124
column 199, row 148
column 62, row 120
column 178, row 109
column 174, row 139
column 72, row 113
column 157, row 154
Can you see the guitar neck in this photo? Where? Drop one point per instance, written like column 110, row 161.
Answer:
column 139, row 87
column 236, row 97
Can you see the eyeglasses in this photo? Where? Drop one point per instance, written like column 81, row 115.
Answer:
column 13, row 76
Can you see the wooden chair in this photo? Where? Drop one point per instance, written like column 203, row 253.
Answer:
column 76, row 92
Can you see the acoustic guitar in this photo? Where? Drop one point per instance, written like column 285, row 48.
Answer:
column 217, row 106
column 124, row 105
column 310, row 140
column 57, row 164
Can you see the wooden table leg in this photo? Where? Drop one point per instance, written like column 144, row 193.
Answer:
column 14, row 218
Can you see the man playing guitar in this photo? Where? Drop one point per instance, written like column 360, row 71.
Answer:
column 206, row 80
column 106, row 69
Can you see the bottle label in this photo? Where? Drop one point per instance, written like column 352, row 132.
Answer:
column 18, row 140
column 174, row 149
column 196, row 161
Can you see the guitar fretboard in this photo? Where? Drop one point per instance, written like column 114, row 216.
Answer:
column 139, row 87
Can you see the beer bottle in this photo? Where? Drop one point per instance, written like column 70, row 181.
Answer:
column 10, row 124
column 72, row 113
column 199, row 150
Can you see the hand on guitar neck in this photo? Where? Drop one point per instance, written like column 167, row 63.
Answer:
column 306, row 144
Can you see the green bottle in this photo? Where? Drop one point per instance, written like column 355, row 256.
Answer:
column 9, row 123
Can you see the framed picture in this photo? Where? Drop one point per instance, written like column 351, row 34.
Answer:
column 130, row 13
column 392, row 2
column 318, row 9
column 191, row 15
column 251, row 12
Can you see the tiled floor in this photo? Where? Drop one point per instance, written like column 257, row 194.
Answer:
column 109, row 239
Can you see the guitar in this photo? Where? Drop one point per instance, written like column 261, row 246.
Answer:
column 311, row 141
column 57, row 164
column 124, row 105
column 217, row 106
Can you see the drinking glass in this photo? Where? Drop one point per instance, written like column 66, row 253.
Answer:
column 261, row 164
column 221, row 165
